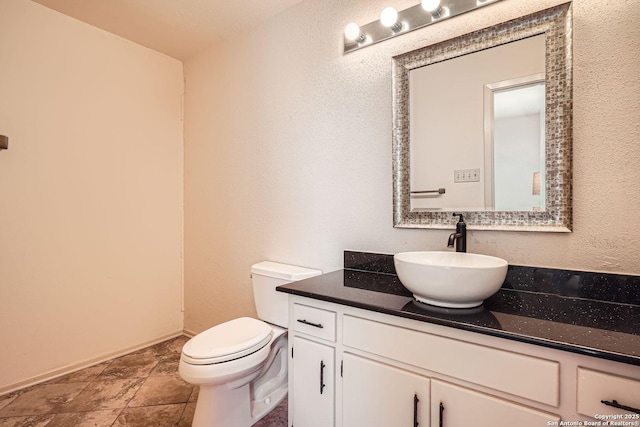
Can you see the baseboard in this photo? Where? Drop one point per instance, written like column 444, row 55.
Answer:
column 68, row 369
column 189, row 333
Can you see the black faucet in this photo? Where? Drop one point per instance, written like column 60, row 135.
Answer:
column 460, row 236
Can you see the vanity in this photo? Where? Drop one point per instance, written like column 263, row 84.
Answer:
column 552, row 347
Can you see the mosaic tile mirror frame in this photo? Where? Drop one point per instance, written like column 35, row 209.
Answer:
column 556, row 25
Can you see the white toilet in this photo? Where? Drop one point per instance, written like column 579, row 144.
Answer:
column 241, row 365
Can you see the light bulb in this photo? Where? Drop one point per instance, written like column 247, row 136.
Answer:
column 389, row 17
column 430, row 5
column 352, row 32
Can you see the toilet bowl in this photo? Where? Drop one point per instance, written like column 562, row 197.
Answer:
column 241, row 365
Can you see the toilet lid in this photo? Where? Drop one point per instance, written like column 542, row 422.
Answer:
column 229, row 340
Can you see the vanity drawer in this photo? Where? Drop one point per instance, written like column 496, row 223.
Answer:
column 518, row 374
column 594, row 386
column 314, row 321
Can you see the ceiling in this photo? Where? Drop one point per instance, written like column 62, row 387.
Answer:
column 178, row 28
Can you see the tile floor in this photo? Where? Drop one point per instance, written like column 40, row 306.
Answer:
column 141, row 389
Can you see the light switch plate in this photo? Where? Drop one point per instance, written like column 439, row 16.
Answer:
column 466, row 175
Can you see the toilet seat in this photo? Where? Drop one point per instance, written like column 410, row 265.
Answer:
column 228, row 341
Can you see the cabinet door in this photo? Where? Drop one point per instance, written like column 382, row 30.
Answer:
column 603, row 393
column 313, row 384
column 453, row 406
column 378, row 395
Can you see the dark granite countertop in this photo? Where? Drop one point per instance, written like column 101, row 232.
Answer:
column 594, row 314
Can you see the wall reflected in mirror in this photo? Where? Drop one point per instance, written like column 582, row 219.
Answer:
column 478, row 130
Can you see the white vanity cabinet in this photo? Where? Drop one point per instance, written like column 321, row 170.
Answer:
column 379, row 395
column 313, row 383
column 454, row 406
column 616, row 392
column 312, row 335
column 391, row 371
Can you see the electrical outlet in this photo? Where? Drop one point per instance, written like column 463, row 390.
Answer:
column 466, row 175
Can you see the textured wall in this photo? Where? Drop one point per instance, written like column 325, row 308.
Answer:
column 288, row 150
column 90, row 193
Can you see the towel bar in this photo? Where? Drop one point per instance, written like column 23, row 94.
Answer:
column 439, row 191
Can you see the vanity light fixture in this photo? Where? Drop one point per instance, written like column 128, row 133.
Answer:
column 389, row 18
column 433, row 7
column 393, row 23
column 352, row 33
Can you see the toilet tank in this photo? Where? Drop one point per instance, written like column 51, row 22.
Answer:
column 273, row 306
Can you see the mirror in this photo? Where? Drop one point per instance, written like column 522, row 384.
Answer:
column 482, row 125
column 480, row 169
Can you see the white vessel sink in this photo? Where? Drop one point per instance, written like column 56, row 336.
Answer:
column 450, row 279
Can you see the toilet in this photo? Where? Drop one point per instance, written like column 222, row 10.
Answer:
column 241, row 365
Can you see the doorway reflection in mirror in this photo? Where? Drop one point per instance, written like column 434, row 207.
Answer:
column 515, row 152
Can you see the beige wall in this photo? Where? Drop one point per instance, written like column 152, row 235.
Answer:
column 288, row 150
column 90, row 194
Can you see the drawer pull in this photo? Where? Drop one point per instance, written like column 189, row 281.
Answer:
column 441, row 416
column 315, row 325
column 322, row 385
column 415, row 410
column 615, row 404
